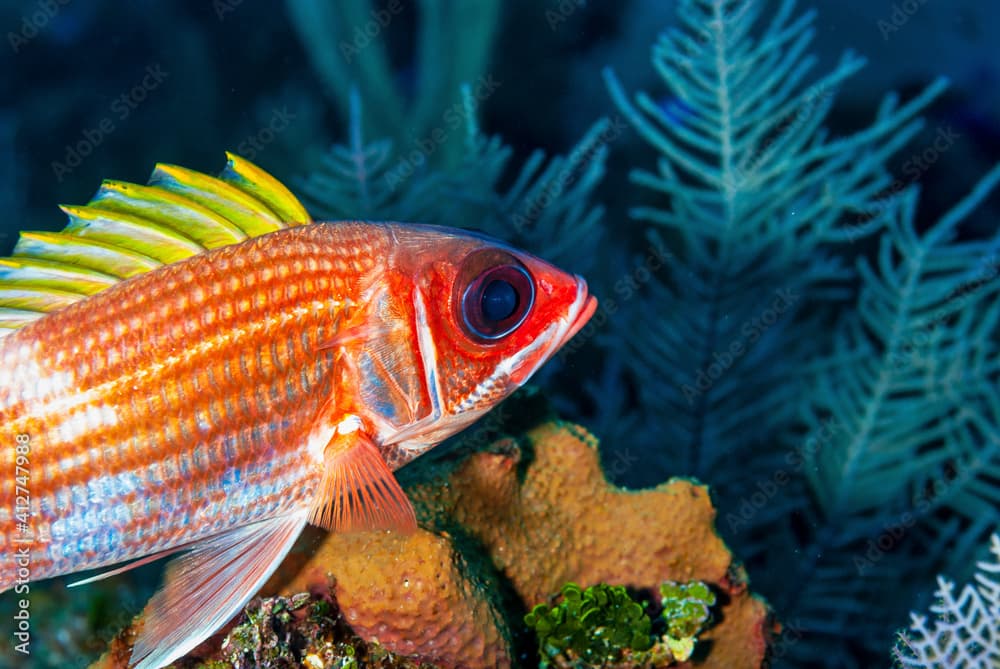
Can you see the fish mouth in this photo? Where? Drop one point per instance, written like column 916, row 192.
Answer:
column 585, row 305
column 543, row 348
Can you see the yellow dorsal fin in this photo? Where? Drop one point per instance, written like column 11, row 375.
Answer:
column 128, row 229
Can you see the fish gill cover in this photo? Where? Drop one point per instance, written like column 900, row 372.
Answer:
column 780, row 316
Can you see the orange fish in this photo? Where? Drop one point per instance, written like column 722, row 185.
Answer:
column 195, row 366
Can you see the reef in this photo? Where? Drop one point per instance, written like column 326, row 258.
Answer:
column 503, row 529
column 603, row 626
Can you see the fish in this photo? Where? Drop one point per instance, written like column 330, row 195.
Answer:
column 196, row 367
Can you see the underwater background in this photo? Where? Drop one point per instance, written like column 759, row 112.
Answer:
column 787, row 211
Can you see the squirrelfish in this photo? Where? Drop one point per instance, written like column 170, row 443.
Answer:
column 194, row 365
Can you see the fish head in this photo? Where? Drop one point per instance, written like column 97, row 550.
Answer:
column 485, row 317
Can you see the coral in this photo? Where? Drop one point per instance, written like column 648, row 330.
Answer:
column 905, row 406
column 602, row 626
column 544, row 510
column 759, row 198
column 285, row 633
column 686, row 608
column 345, row 45
column 595, row 626
column 966, row 631
column 843, row 407
column 506, row 528
column 410, row 592
column 545, row 206
column 770, row 356
column 847, row 429
column 546, row 515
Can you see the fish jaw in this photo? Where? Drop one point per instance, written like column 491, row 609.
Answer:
column 577, row 315
column 583, row 316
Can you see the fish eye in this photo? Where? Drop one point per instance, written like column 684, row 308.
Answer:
column 496, row 299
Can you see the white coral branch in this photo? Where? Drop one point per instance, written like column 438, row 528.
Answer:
column 965, row 633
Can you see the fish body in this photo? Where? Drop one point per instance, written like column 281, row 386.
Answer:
column 218, row 403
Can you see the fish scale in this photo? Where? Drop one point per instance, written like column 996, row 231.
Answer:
column 159, row 423
column 217, row 404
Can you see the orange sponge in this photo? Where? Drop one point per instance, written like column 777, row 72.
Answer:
column 506, row 528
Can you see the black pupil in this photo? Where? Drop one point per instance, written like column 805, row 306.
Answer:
column 499, row 300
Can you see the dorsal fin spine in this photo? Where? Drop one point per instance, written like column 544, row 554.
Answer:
column 127, row 229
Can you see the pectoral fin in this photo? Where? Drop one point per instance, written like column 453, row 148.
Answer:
column 209, row 585
column 359, row 490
